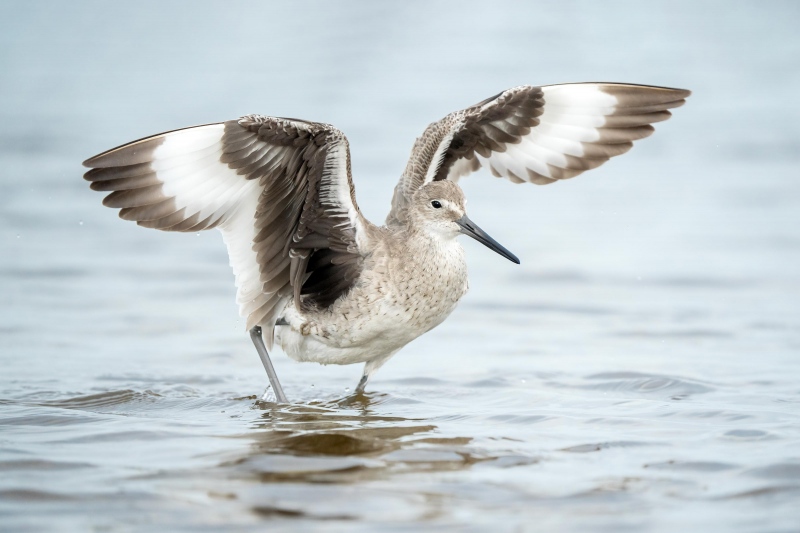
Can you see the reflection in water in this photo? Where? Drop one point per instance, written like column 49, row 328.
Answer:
column 333, row 460
column 344, row 441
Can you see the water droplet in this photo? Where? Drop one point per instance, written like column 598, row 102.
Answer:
column 522, row 381
column 17, row 235
column 347, row 389
column 80, row 222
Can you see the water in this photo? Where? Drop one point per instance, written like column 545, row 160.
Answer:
column 639, row 370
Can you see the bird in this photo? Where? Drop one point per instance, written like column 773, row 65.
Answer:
column 313, row 275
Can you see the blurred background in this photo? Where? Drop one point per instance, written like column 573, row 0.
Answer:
column 639, row 370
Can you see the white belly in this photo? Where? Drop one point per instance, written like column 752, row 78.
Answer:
column 318, row 349
column 377, row 317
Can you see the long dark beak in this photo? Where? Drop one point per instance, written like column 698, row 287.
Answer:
column 468, row 227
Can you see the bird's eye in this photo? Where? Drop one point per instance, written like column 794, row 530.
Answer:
column 436, row 204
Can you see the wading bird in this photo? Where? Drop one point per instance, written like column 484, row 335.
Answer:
column 313, row 275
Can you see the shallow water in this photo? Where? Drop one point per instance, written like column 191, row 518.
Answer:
column 639, row 370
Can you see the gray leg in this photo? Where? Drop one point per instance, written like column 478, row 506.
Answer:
column 362, row 384
column 255, row 336
column 369, row 368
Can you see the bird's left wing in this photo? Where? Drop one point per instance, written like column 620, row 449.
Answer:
column 535, row 134
column 279, row 189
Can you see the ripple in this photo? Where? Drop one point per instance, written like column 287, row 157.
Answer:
column 47, row 420
column 777, row 471
column 103, row 399
column 40, row 465
column 596, row 447
column 492, row 383
column 675, row 333
column 426, row 455
column 421, row 380
column 646, row 384
column 267, row 511
column 521, row 419
column 510, row 461
column 268, row 468
column 765, row 492
column 341, row 442
column 43, row 273
column 173, row 380
column 125, row 436
column 692, row 466
column 328, row 502
column 748, row 435
column 23, row 495
column 698, row 282
column 546, row 308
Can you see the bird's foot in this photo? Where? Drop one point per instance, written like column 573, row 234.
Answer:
column 269, row 395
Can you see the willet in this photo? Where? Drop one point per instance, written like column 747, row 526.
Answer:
column 313, row 275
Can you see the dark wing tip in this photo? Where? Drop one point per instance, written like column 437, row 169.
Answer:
column 679, row 93
column 674, row 92
column 685, row 93
column 630, row 95
column 134, row 152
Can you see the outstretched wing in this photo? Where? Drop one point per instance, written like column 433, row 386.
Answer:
column 535, row 134
column 279, row 189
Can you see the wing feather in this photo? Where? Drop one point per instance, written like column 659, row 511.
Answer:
column 280, row 191
column 535, row 134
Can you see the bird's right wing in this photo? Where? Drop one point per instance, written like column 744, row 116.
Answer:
column 535, row 134
column 279, row 189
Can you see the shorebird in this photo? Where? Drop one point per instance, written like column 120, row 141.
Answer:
column 313, row 275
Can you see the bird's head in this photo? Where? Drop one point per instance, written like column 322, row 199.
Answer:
column 440, row 209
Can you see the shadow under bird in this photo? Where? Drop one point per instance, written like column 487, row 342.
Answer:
column 313, row 275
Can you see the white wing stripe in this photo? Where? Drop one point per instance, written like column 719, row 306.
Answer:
column 538, row 152
column 530, row 158
column 568, row 94
column 200, row 193
column 164, row 161
column 436, row 161
column 558, row 144
column 575, row 133
column 517, row 164
column 335, row 192
column 238, row 232
column 567, row 119
column 190, row 140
